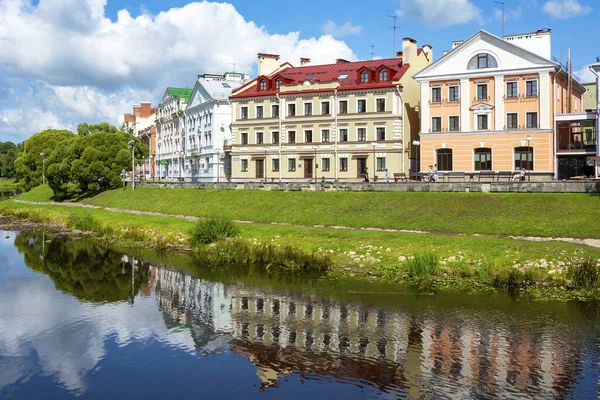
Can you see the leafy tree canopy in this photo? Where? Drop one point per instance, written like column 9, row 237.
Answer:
column 8, row 154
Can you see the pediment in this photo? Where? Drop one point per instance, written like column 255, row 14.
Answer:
column 481, row 107
column 508, row 56
column 166, row 96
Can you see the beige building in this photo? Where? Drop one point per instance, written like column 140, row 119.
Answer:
column 327, row 122
column 490, row 104
column 589, row 98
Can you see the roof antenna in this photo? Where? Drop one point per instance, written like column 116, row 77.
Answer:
column 372, row 46
column 395, row 27
column 501, row 2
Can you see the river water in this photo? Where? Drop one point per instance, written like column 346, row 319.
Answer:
column 79, row 319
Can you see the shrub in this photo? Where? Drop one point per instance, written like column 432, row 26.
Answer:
column 84, row 222
column 210, row 230
column 585, row 275
column 423, row 265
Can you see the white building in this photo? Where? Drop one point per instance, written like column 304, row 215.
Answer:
column 208, row 116
column 170, row 133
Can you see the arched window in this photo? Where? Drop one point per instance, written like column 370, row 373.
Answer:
column 482, row 60
column 263, row 84
column 523, row 158
column 277, row 83
column 444, row 159
column 364, row 77
column 483, row 159
column 383, row 75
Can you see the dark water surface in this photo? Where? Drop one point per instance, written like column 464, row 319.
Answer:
column 78, row 319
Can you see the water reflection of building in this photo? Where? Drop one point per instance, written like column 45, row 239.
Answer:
column 282, row 332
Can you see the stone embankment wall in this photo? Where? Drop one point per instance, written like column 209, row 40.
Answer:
column 493, row 187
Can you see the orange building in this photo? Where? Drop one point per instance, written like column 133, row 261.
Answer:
column 490, row 103
column 141, row 124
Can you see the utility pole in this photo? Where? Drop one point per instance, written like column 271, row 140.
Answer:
column 233, row 66
column 395, row 17
column 372, row 46
column 501, row 2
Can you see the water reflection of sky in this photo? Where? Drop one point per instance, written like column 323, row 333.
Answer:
column 198, row 338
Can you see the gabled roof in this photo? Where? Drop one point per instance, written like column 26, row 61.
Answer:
column 182, row 93
column 215, row 89
column 499, row 42
column 329, row 73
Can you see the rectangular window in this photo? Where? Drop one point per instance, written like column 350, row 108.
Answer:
column 381, row 164
column 275, row 164
column 292, row 137
column 275, row 137
column 362, row 134
column 483, row 159
column 325, row 135
column 343, row 164
column 482, row 92
column 325, row 164
column 244, row 137
column 512, row 121
column 532, row 89
column 436, row 95
column 362, row 106
column 259, row 112
column 291, row 110
column 343, row 135
column 244, row 113
column 512, row 90
column 259, row 138
column 244, row 165
column 380, row 134
column 482, row 122
column 380, row 105
column 291, row 164
column 307, row 108
column 275, row 110
column 454, row 124
column 436, row 124
column 308, row 136
column 532, row 122
column 453, row 93
column 343, row 106
column 325, row 108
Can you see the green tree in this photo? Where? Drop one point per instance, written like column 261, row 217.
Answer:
column 29, row 164
column 8, row 154
column 92, row 162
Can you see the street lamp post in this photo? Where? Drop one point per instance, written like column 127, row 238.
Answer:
column 374, row 162
column 529, row 156
column 265, row 165
column 132, row 147
column 218, row 166
column 43, row 167
column 315, row 147
column 417, row 143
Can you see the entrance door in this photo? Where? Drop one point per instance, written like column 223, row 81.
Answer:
column 308, row 169
column 260, row 168
column 362, row 167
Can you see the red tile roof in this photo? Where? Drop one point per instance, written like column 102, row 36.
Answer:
column 327, row 73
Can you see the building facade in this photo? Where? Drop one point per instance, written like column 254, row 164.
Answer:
column 170, row 133
column 141, row 123
column 208, row 117
column 590, row 99
column 327, row 122
column 490, row 103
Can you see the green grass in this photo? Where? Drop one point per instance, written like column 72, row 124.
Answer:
column 423, row 265
column 9, row 184
column 38, row 193
column 210, row 230
column 535, row 214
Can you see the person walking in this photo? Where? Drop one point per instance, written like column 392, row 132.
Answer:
column 366, row 174
column 387, row 175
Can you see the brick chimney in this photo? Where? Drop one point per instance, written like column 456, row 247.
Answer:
column 304, row 61
column 409, row 50
column 341, row 61
column 267, row 63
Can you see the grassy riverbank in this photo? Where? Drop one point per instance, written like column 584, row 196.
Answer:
column 8, row 184
column 463, row 260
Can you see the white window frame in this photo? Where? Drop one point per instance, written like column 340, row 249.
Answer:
column 377, row 128
column 247, row 112
column 312, row 139
column 256, row 111
column 432, row 118
column 366, row 134
column 454, row 116
column 458, row 93
column 312, row 111
column 321, row 102
column 275, row 132
column 366, row 105
column 242, row 169
column 256, row 137
column 325, row 129
column 384, row 104
column 489, row 120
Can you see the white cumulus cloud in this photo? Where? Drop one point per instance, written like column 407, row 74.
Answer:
column 510, row 14
column 88, row 66
column 585, row 75
column 335, row 30
column 440, row 12
column 563, row 9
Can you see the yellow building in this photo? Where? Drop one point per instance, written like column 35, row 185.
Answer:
column 327, row 122
column 490, row 103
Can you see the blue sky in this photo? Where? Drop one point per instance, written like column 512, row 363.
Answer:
column 67, row 61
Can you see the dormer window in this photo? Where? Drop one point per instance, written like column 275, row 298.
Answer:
column 383, row 75
column 364, row 77
column 277, row 83
column 263, row 84
column 482, row 60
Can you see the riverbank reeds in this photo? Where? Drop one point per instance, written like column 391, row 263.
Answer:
column 423, row 265
column 585, row 274
column 210, row 230
column 84, row 222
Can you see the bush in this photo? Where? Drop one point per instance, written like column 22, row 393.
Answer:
column 210, row 230
column 84, row 222
column 585, row 275
column 423, row 265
